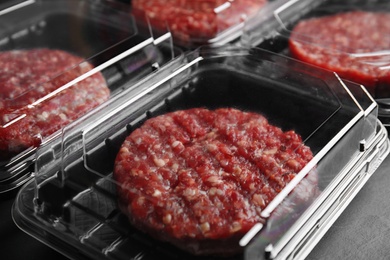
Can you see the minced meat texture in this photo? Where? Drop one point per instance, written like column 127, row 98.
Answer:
column 200, row 178
column 194, row 22
column 353, row 44
column 30, row 108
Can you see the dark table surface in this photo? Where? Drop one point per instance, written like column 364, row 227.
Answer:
column 14, row 243
column 361, row 232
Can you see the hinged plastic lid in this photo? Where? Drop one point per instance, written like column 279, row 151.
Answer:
column 74, row 187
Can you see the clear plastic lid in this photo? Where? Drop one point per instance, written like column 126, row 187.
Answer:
column 63, row 59
column 200, row 22
column 350, row 37
column 75, row 198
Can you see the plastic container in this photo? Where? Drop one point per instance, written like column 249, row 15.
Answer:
column 201, row 22
column 102, row 42
column 364, row 60
column 71, row 204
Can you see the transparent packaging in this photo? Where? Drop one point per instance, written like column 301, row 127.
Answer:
column 63, row 59
column 348, row 37
column 72, row 203
column 200, row 22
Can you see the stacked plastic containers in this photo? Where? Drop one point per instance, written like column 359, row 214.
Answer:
column 350, row 38
column 72, row 204
column 62, row 51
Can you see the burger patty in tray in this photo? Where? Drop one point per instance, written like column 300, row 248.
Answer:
column 200, row 178
column 355, row 44
column 195, row 21
column 30, row 108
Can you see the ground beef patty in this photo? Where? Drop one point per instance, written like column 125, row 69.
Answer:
column 200, row 179
column 28, row 76
column 350, row 43
column 195, row 21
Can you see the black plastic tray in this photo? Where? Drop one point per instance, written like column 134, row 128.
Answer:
column 75, row 197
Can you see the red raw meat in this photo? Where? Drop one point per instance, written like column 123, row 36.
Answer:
column 354, row 44
column 200, row 178
column 194, row 22
column 28, row 112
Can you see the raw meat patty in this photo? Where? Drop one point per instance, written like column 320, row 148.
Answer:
column 195, row 21
column 200, row 178
column 28, row 76
column 353, row 44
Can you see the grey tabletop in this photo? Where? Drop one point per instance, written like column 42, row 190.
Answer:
column 363, row 230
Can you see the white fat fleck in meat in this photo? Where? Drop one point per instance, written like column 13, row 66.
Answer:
column 189, row 193
column 162, row 128
column 214, row 180
column 41, row 89
column 6, row 118
column 177, row 146
column 223, row 173
column 202, row 192
column 211, row 134
column 258, row 200
column 141, row 201
column 134, row 172
column 159, row 162
column 63, row 116
column 156, row 193
column 212, row 191
column 212, row 147
column 244, row 215
column 84, row 65
column 237, row 170
column 124, row 150
column 242, row 143
column 270, row 151
column 258, row 152
column 45, row 114
column 215, row 191
column 294, row 164
column 175, row 167
column 167, row 219
column 138, row 140
column 14, row 81
column 176, row 143
column 284, row 156
column 236, row 226
column 224, row 163
column 43, row 117
column 205, row 227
